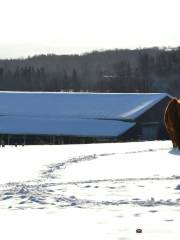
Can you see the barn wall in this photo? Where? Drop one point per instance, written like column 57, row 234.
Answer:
column 136, row 133
column 9, row 139
column 131, row 135
column 152, row 122
column 156, row 113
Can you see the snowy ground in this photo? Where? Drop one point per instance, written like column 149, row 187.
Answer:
column 97, row 191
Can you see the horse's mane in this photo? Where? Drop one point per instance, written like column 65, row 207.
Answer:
column 172, row 110
column 172, row 121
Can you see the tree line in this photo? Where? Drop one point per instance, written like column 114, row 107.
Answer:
column 139, row 70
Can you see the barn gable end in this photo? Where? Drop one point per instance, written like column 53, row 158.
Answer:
column 150, row 124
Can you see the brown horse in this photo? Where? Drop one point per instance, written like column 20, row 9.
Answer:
column 172, row 121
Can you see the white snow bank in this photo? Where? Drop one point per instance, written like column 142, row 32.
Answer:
column 24, row 163
column 94, row 191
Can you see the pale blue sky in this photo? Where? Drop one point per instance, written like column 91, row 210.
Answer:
column 31, row 27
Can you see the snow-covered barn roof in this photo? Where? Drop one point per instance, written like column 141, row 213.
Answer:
column 78, row 105
column 80, row 114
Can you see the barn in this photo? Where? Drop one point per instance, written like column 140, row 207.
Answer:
column 63, row 118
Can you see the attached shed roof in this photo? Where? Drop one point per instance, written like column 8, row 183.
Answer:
column 72, row 114
column 63, row 127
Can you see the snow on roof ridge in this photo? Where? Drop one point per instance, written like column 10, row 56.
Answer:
column 83, row 93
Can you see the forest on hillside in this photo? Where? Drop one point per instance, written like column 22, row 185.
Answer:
column 140, row 70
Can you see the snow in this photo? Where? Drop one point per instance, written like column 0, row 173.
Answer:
column 78, row 105
column 93, row 191
column 63, row 126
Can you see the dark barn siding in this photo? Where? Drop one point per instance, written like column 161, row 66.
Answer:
column 14, row 139
column 155, row 113
column 154, row 117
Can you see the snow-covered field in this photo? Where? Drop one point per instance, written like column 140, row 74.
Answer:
column 96, row 191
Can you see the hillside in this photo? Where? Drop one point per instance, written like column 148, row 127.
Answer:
column 139, row 70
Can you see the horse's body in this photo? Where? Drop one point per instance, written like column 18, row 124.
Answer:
column 172, row 121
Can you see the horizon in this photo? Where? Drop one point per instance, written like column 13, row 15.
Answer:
column 166, row 48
